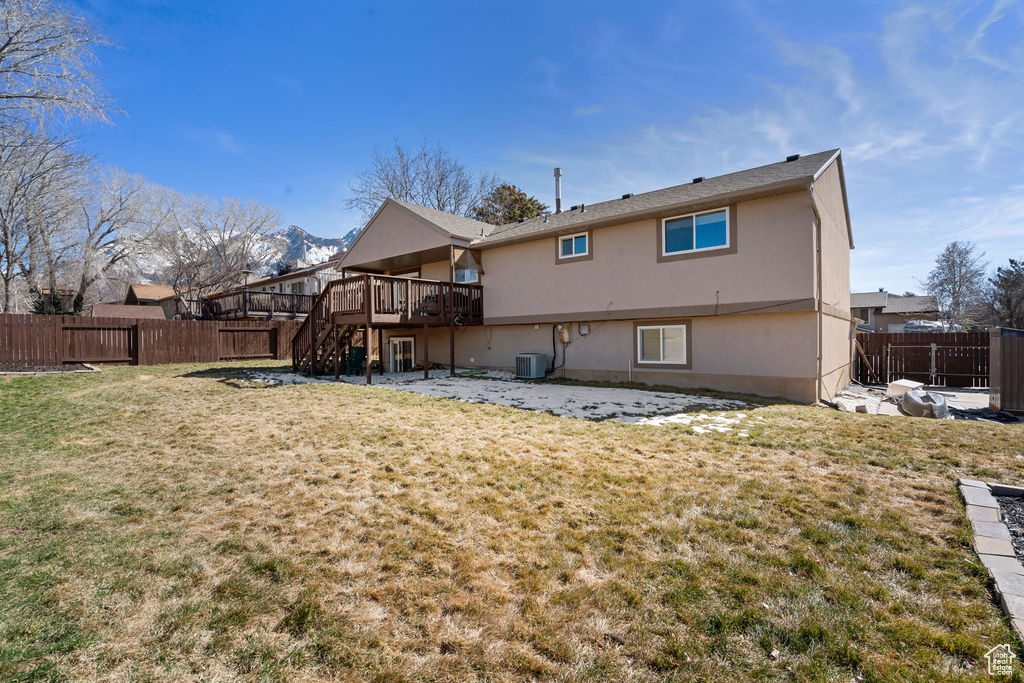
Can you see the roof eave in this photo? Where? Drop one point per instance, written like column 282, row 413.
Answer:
column 783, row 187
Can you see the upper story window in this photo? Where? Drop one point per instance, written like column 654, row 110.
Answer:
column 298, row 287
column 467, row 269
column 466, row 275
column 570, row 246
column 695, row 232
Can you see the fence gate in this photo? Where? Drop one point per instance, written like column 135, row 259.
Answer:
column 952, row 359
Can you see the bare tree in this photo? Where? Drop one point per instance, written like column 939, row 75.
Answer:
column 957, row 281
column 428, row 176
column 116, row 216
column 46, row 58
column 211, row 241
column 37, row 179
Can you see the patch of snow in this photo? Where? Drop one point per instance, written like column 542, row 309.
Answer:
column 700, row 423
column 635, row 406
column 279, row 378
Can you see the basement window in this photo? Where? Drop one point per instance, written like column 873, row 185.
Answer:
column 695, row 232
column 571, row 246
column 661, row 344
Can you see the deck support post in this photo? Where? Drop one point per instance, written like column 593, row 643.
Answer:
column 368, row 337
column 337, row 352
column 368, row 342
column 451, row 309
column 426, row 351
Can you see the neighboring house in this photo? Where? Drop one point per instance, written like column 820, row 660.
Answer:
column 163, row 296
column 884, row 312
column 302, row 278
column 67, row 298
column 128, row 311
column 286, row 296
column 737, row 283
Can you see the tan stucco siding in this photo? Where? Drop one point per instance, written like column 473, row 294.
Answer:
column 836, row 343
column 766, row 354
column 774, row 261
column 836, row 354
column 438, row 270
column 392, row 232
column 835, row 239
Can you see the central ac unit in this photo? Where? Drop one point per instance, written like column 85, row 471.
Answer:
column 531, row 365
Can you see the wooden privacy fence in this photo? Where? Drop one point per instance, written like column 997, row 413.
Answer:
column 952, row 359
column 59, row 340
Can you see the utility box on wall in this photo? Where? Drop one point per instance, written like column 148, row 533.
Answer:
column 1006, row 370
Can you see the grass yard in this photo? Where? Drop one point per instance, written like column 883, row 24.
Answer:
column 168, row 522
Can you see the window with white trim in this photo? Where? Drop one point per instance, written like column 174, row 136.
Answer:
column 661, row 344
column 695, row 232
column 466, row 275
column 571, row 246
column 466, row 268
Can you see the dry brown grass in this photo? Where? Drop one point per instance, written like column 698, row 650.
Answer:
column 169, row 522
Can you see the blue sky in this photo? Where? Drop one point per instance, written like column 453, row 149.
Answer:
column 285, row 102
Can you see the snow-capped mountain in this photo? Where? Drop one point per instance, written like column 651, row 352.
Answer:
column 272, row 251
column 293, row 243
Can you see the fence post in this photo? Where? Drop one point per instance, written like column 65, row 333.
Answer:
column 933, row 369
column 888, row 363
column 139, row 357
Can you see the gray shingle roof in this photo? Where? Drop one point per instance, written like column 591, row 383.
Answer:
column 449, row 222
column 893, row 303
column 911, row 304
column 868, row 299
column 782, row 173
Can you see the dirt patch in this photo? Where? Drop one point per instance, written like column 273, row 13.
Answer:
column 45, row 369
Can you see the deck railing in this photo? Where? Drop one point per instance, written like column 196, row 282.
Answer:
column 256, row 304
column 385, row 299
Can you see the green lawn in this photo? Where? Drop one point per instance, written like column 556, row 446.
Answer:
column 169, row 522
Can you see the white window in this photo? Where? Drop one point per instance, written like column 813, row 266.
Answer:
column 661, row 344
column 695, row 232
column 466, row 275
column 570, row 246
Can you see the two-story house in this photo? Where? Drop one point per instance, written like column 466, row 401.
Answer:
column 738, row 282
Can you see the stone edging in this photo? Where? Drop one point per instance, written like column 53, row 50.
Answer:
column 992, row 543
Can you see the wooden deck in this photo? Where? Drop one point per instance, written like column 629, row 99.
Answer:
column 386, row 301
column 382, row 301
column 261, row 305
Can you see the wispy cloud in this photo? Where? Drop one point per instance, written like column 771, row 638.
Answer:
column 586, row 111
column 212, row 137
column 927, row 112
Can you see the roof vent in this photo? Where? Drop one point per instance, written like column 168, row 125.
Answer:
column 627, row 195
column 698, row 179
column 574, row 207
column 792, row 157
column 583, row 208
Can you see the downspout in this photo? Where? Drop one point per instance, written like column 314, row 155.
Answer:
column 818, row 301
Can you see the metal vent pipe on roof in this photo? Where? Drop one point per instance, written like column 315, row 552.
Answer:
column 558, row 190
